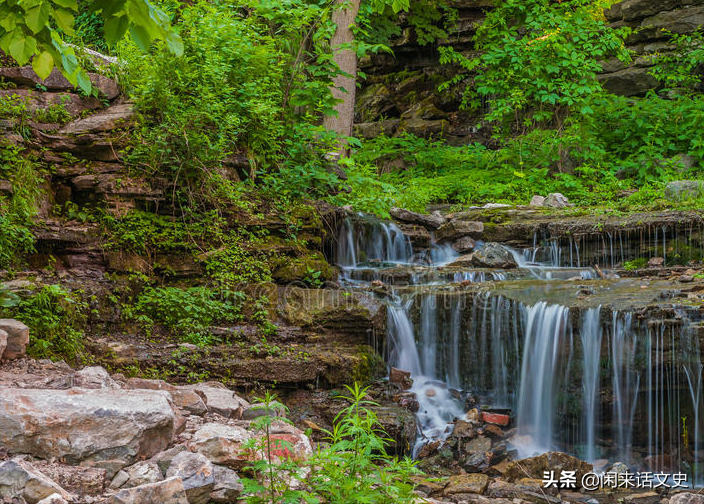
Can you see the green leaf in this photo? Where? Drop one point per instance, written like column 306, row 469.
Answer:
column 175, row 44
column 115, row 28
column 65, row 21
column 141, row 37
column 37, row 17
column 43, row 64
column 68, row 4
column 83, row 81
column 22, row 47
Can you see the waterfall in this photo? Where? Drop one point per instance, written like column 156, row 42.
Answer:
column 627, row 387
column 591, row 335
column 546, row 329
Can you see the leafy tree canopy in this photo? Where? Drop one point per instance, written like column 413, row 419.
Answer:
column 35, row 30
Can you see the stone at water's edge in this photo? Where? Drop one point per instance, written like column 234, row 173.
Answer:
column 493, row 255
column 534, row 467
column 537, row 200
column 457, row 228
column 17, row 338
column 86, row 425
column 464, row 245
column 496, row 418
column 556, row 200
column 466, row 483
column 687, row 498
column 434, row 220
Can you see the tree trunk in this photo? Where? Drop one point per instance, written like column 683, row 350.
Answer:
column 344, row 86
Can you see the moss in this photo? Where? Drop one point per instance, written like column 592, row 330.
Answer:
column 299, row 269
column 370, row 365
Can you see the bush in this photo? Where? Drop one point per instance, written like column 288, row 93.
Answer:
column 56, row 319
column 188, row 313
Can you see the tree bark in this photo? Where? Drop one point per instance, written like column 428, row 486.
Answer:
column 344, row 86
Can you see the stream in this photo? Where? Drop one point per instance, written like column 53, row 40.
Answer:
column 582, row 364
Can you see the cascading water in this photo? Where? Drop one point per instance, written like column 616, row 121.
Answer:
column 597, row 383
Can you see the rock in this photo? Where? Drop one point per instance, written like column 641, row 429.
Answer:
column 476, row 461
column 466, row 483
column 17, row 338
column 258, row 410
column 184, row 398
column 656, row 262
column 457, row 228
column 479, row 444
column 288, row 442
column 495, row 418
column 222, row 444
column 400, row 377
column 25, row 76
column 227, row 487
column 163, row 459
column 433, row 221
column 19, row 479
column 85, row 425
column 115, row 117
column 53, row 499
column 556, row 200
column 169, row 491
column 618, row 468
column 687, row 498
column 418, row 235
column 464, row 245
column 472, row 415
column 3, row 341
column 94, row 377
column 141, row 473
column 684, row 189
column 631, row 81
column 196, row 473
column 220, row 400
column 464, row 429
column 493, row 255
column 534, row 467
column 537, row 200
column 74, row 479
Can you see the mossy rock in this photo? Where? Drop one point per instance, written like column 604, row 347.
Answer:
column 303, row 269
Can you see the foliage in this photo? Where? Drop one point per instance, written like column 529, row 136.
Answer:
column 17, row 210
column 188, row 313
column 539, row 61
column 56, row 319
column 635, row 264
column 8, row 299
column 678, row 68
column 36, row 29
column 352, row 467
column 253, row 77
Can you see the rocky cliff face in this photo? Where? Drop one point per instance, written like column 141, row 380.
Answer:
column 401, row 92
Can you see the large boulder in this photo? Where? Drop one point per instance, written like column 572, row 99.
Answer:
column 17, row 338
column 223, row 444
column 169, row 491
column 684, row 189
column 493, row 255
column 185, row 398
column 86, row 425
column 433, row 221
column 458, row 228
column 217, row 399
column 19, row 479
column 25, row 76
column 196, row 472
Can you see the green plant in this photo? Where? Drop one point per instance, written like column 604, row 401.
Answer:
column 312, row 278
column 56, row 319
column 635, row 264
column 354, row 466
column 677, row 68
column 8, row 299
column 187, row 313
column 273, row 470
